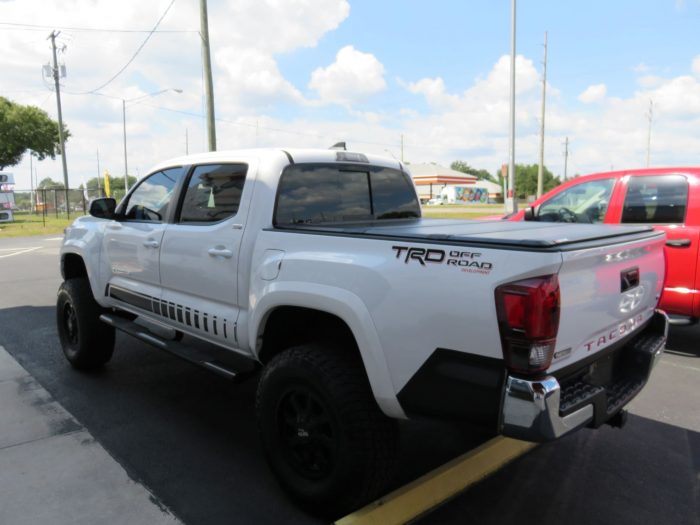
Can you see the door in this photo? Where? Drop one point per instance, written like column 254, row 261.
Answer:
column 662, row 200
column 131, row 244
column 199, row 257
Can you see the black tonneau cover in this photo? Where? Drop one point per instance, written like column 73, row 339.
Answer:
column 545, row 236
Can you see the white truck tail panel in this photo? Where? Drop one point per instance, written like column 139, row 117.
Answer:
column 607, row 293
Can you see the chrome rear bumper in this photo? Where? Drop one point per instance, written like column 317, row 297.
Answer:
column 533, row 409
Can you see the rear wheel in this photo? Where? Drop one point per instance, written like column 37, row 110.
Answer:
column 87, row 342
column 324, row 436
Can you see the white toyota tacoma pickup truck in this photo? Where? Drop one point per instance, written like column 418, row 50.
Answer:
column 315, row 268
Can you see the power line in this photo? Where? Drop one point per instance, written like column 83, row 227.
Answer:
column 268, row 128
column 256, row 125
column 15, row 26
column 145, row 41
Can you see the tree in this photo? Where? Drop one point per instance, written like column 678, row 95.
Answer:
column 25, row 128
column 115, row 183
column 526, row 180
column 49, row 184
column 462, row 166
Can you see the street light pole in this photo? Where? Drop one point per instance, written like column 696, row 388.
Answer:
column 511, row 202
column 540, row 168
column 124, row 101
column 126, row 167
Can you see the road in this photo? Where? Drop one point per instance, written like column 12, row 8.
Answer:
column 190, row 436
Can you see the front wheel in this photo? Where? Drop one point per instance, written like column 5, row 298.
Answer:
column 324, row 436
column 87, row 342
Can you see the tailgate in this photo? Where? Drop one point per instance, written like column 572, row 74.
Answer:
column 607, row 293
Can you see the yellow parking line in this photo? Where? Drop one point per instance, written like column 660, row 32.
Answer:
column 428, row 491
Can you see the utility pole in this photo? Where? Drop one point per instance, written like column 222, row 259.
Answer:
column 206, row 62
column 401, row 147
column 566, row 156
column 61, row 139
column 511, row 201
column 126, row 167
column 650, row 117
column 540, row 169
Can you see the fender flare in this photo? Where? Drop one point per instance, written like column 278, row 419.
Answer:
column 78, row 249
column 351, row 310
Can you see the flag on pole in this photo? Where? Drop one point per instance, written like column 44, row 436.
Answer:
column 108, row 192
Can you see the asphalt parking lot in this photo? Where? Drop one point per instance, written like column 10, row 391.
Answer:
column 190, row 437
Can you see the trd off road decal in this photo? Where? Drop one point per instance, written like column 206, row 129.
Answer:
column 469, row 262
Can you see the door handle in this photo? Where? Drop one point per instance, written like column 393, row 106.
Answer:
column 114, row 226
column 220, row 252
column 151, row 243
column 678, row 243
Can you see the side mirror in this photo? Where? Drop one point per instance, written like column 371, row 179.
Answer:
column 529, row 214
column 103, row 208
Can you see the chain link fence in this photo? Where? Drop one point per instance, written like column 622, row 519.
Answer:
column 57, row 203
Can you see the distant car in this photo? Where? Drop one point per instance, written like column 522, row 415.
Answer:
column 667, row 198
column 437, row 201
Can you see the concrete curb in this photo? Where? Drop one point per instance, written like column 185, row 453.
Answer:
column 52, row 470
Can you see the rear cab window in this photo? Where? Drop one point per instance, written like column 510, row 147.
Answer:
column 656, row 199
column 339, row 193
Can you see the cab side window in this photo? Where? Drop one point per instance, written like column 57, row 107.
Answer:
column 149, row 202
column 656, row 199
column 213, row 193
column 586, row 202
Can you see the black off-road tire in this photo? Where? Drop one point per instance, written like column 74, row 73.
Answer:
column 324, row 436
column 87, row 342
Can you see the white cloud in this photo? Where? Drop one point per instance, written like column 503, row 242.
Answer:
column 650, row 81
column 696, row 65
column 275, row 26
column 353, row 77
column 256, row 103
column 253, row 77
column 594, row 93
column 433, row 89
column 246, row 38
column 474, row 118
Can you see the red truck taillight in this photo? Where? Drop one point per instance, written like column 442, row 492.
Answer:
column 528, row 319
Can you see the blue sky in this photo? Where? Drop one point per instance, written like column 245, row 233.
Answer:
column 459, row 41
column 311, row 72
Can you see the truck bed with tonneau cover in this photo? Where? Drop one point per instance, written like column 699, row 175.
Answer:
column 524, row 236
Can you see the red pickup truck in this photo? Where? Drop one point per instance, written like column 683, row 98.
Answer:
column 668, row 198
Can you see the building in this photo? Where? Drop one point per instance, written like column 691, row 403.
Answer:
column 431, row 178
column 481, row 192
column 454, row 187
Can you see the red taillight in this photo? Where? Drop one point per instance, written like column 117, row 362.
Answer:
column 528, row 319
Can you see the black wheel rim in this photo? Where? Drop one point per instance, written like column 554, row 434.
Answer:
column 307, row 432
column 70, row 323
